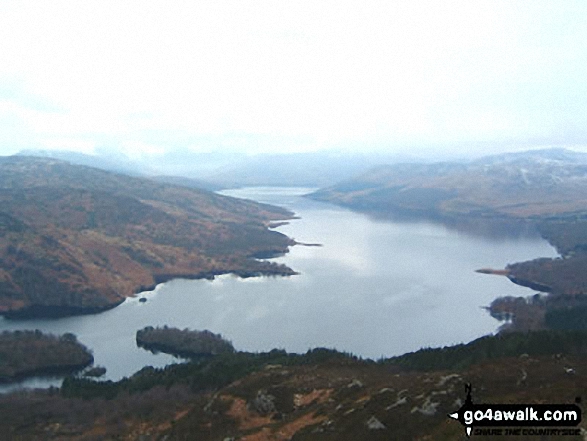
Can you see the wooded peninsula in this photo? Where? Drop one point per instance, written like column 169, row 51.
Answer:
column 29, row 353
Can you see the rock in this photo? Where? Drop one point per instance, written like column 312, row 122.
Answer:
column 399, row 402
column 523, row 378
column 355, row 383
column 384, row 390
column 428, row 408
column 270, row 367
column 264, row 403
column 443, row 380
column 374, row 424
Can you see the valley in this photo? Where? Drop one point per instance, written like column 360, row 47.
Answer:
column 293, row 221
column 267, row 394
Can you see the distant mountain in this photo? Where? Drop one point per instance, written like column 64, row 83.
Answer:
column 75, row 239
column 219, row 170
column 124, row 165
column 532, row 184
column 188, row 163
column 544, row 156
column 188, row 182
column 310, row 169
column 110, row 164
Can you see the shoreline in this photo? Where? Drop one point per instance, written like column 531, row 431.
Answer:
column 496, row 272
column 61, row 311
column 55, row 312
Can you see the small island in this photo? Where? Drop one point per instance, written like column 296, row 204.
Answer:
column 31, row 353
column 183, row 343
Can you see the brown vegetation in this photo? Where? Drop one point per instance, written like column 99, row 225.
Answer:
column 338, row 398
column 74, row 239
column 564, row 279
column 560, row 276
column 537, row 184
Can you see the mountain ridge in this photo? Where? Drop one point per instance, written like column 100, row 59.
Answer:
column 532, row 184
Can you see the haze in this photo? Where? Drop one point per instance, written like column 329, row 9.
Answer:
column 417, row 78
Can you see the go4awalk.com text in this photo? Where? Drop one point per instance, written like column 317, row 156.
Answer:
column 518, row 419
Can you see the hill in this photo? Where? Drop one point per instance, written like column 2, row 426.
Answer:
column 188, row 182
column 544, row 190
column 229, row 169
column 533, row 184
column 120, row 163
column 320, row 395
column 75, row 239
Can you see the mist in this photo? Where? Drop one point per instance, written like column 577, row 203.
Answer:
column 156, row 84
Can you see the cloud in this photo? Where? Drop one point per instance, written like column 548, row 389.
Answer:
column 306, row 75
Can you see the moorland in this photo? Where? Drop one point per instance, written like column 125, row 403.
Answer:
column 76, row 239
column 320, row 395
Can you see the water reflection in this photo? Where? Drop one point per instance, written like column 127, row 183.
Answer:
column 488, row 228
column 375, row 288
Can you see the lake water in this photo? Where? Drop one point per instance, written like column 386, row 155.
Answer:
column 374, row 288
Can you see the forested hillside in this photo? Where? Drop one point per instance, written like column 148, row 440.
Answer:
column 321, row 395
column 75, row 239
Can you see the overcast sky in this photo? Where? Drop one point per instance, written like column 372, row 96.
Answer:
column 408, row 76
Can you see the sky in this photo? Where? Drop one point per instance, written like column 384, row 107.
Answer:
column 149, row 77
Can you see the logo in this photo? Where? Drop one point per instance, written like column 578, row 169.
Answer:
column 496, row 416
